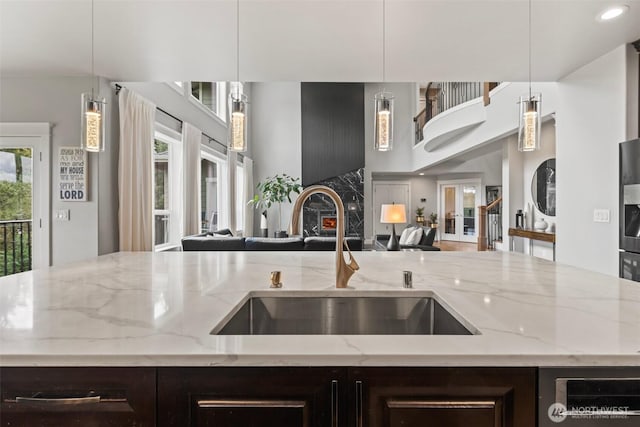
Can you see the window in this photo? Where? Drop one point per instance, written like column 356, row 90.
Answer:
column 213, row 178
column 240, row 199
column 209, row 191
column 211, row 96
column 167, row 204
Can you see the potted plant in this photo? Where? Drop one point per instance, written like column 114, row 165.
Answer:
column 275, row 190
column 433, row 219
column 420, row 216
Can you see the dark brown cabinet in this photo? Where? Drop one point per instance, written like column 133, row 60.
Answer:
column 362, row 397
column 264, row 397
column 443, row 397
column 87, row 397
column 249, row 397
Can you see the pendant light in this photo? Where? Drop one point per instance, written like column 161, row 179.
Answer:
column 93, row 117
column 530, row 112
column 237, row 102
column 383, row 102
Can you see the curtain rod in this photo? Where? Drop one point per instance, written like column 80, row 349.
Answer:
column 119, row 87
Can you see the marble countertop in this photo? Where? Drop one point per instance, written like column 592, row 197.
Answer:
column 157, row 309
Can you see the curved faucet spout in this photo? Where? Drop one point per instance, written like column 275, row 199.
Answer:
column 344, row 270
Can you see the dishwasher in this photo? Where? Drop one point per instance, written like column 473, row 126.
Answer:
column 589, row 397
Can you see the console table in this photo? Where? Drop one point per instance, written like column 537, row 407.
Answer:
column 533, row 235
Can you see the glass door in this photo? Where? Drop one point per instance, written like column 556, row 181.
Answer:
column 458, row 211
column 470, row 201
column 449, row 212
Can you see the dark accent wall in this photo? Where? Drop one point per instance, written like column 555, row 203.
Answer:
column 332, row 130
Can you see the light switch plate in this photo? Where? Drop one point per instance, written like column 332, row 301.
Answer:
column 601, row 215
column 63, row 215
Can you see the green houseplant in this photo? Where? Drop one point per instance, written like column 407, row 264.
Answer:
column 274, row 191
column 433, row 218
column 420, row 216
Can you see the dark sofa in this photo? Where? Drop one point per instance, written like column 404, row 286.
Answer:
column 218, row 242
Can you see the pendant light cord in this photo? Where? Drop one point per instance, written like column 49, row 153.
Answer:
column 93, row 74
column 384, row 34
column 237, row 88
column 530, row 97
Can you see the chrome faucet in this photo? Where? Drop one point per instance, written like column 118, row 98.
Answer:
column 344, row 270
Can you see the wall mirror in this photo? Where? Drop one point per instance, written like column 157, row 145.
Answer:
column 543, row 187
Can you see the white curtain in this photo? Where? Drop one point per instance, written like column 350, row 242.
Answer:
column 135, row 168
column 191, row 140
column 247, row 227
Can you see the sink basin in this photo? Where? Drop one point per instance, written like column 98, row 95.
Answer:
column 294, row 314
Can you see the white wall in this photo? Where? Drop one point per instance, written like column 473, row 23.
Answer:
column 57, row 100
column 633, row 92
column 512, row 185
column 276, row 119
column 591, row 121
column 421, row 187
column 397, row 160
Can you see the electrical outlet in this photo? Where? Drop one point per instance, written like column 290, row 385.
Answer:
column 63, row 215
column 601, row 215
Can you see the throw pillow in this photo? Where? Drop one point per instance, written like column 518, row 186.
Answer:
column 405, row 235
column 415, row 237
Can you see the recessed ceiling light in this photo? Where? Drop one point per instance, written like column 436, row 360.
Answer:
column 421, row 174
column 612, row 12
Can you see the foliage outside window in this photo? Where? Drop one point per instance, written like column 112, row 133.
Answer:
column 16, row 165
column 161, row 176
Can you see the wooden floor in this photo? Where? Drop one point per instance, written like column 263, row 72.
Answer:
column 448, row 245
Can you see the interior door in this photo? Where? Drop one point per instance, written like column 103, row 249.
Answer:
column 23, row 205
column 387, row 193
column 449, row 212
column 458, row 214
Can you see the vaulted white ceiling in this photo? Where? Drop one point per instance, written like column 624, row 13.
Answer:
column 308, row 40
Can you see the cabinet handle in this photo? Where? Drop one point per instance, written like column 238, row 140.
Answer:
column 59, row 401
column 334, row 403
column 358, row 403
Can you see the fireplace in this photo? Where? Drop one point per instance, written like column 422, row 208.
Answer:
column 328, row 223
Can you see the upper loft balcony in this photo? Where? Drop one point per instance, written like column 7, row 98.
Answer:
column 459, row 117
column 436, row 123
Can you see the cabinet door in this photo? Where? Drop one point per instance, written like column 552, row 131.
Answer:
column 249, row 397
column 80, row 397
column 443, row 397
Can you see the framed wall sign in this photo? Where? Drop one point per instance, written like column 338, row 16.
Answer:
column 72, row 164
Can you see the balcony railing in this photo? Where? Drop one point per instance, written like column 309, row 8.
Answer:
column 15, row 246
column 441, row 96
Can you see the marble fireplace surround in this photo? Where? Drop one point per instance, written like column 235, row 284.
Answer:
column 350, row 188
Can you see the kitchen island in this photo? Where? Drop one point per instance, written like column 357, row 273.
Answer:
column 136, row 329
column 158, row 309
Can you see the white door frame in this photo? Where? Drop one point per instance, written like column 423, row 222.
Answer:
column 479, row 201
column 38, row 136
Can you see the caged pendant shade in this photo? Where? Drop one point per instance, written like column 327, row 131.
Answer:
column 93, row 123
column 530, row 123
column 237, row 122
column 383, row 121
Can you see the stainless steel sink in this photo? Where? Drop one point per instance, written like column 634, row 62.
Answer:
column 342, row 315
